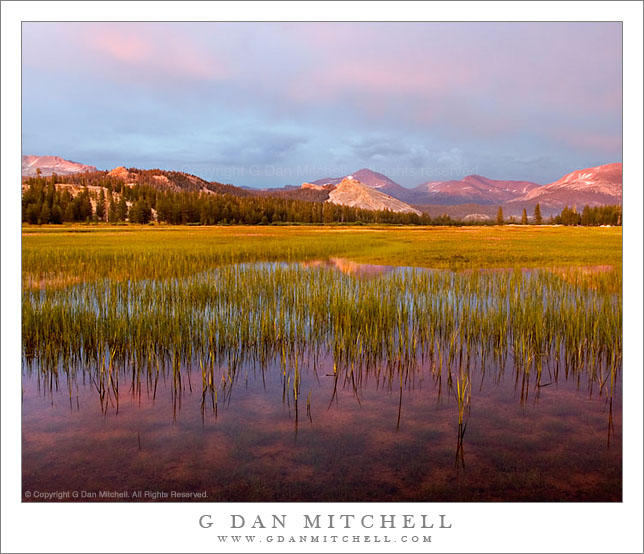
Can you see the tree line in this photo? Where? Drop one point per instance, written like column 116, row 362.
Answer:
column 44, row 200
column 600, row 215
column 590, row 216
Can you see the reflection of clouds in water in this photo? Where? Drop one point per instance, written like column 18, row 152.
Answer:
column 387, row 433
column 350, row 449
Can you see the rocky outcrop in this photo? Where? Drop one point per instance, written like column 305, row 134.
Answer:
column 351, row 192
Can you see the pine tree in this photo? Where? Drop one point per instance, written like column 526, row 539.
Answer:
column 121, row 209
column 587, row 216
column 100, row 206
column 32, row 213
column 524, row 217
column 82, row 207
column 56, row 214
column 68, row 212
column 45, row 214
column 537, row 215
column 140, row 212
column 111, row 212
column 499, row 216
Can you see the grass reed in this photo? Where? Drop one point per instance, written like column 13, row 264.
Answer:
column 152, row 302
column 219, row 321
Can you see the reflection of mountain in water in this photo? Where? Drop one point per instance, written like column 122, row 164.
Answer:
column 350, row 267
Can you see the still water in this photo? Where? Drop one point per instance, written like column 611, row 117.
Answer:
column 368, row 435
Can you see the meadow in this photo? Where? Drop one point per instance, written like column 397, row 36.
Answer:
column 208, row 314
column 65, row 254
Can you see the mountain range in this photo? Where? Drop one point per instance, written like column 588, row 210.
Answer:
column 368, row 189
column 472, row 189
column 594, row 186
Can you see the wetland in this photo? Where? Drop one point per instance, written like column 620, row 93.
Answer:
column 323, row 365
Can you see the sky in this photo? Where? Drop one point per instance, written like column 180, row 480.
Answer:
column 274, row 104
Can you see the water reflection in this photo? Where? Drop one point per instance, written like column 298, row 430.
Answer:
column 344, row 422
column 359, row 269
column 332, row 420
column 351, row 268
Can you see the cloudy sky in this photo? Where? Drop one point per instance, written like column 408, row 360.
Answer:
column 272, row 104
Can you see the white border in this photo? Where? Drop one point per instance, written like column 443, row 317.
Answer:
column 173, row 528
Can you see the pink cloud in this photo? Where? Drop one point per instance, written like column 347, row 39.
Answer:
column 606, row 143
column 151, row 51
column 124, row 47
column 461, row 73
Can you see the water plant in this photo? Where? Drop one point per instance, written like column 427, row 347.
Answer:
column 251, row 315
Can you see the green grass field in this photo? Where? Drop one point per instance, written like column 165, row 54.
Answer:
column 55, row 255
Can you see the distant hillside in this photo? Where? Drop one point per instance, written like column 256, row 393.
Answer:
column 594, row 186
column 141, row 197
column 48, row 165
column 461, row 211
column 348, row 191
column 351, row 192
column 305, row 193
column 173, row 180
column 373, row 180
column 74, row 174
column 473, row 189
column 475, row 196
column 156, row 178
column 480, row 196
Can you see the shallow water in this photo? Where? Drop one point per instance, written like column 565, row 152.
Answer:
column 367, row 435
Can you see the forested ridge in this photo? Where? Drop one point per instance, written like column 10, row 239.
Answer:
column 177, row 198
